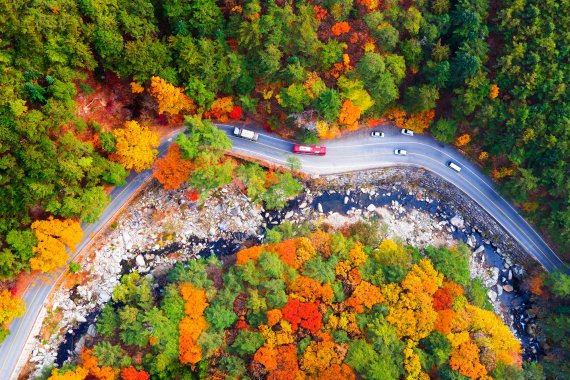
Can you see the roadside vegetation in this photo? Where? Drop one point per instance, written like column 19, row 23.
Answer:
column 329, row 305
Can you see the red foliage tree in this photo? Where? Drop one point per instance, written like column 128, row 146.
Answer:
column 303, row 314
column 442, row 299
column 192, row 195
column 236, row 113
column 131, row 373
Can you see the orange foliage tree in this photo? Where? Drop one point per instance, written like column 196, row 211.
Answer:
column 53, row 236
column 417, row 122
column 193, row 324
column 287, row 365
column 91, row 364
column 494, row 91
column 308, row 290
column 349, row 115
column 266, row 356
column 170, row 99
column 172, row 170
column 465, row 359
column 365, row 294
column 221, row 108
column 462, row 140
column 135, row 147
column 340, row 28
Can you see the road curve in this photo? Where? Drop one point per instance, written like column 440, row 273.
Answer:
column 358, row 151
column 352, row 152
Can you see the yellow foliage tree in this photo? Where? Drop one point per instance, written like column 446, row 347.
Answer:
column 136, row 88
column 412, row 363
column 170, row 99
column 79, row 373
column 10, row 307
column 304, row 252
column 135, row 147
column 492, row 333
column 53, row 235
column 410, row 303
column 319, row 356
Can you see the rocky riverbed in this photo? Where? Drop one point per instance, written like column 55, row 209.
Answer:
column 162, row 228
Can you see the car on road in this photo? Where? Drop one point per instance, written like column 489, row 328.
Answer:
column 310, row 149
column 407, row 132
column 377, row 134
column 400, row 152
column 454, row 166
column 246, row 134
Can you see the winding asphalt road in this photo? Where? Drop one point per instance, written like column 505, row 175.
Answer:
column 352, row 152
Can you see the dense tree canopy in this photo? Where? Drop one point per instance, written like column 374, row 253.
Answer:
column 278, row 313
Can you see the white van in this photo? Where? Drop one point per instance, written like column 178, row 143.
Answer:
column 454, row 166
column 246, row 134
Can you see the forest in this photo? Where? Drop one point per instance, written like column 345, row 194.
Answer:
column 491, row 80
column 329, row 305
column 89, row 88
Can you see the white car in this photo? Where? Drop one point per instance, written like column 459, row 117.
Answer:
column 454, row 166
column 377, row 134
column 400, row 152
column 407, row 132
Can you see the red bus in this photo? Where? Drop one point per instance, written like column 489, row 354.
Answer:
column 313, row 150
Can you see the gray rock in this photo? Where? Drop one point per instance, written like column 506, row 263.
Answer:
column 371, row 207
column 303, row 205
column 91, row 330
column 510, row 275
column 499, row 290
column 140, row 261
column 508, row 288
column 36, row 359
column 492, row 295
column 320, row 207
column 458, row 221
column 80, row 318
column 104, row 297
column 471, row 241
column 479, row 249
column 289, row 214
column 345, row 200
column 223, row 225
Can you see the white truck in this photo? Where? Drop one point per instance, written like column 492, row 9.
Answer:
column 246, row 134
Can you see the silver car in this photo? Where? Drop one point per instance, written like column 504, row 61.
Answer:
column 400, row 152
column 407, row 132
column 377, row 134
